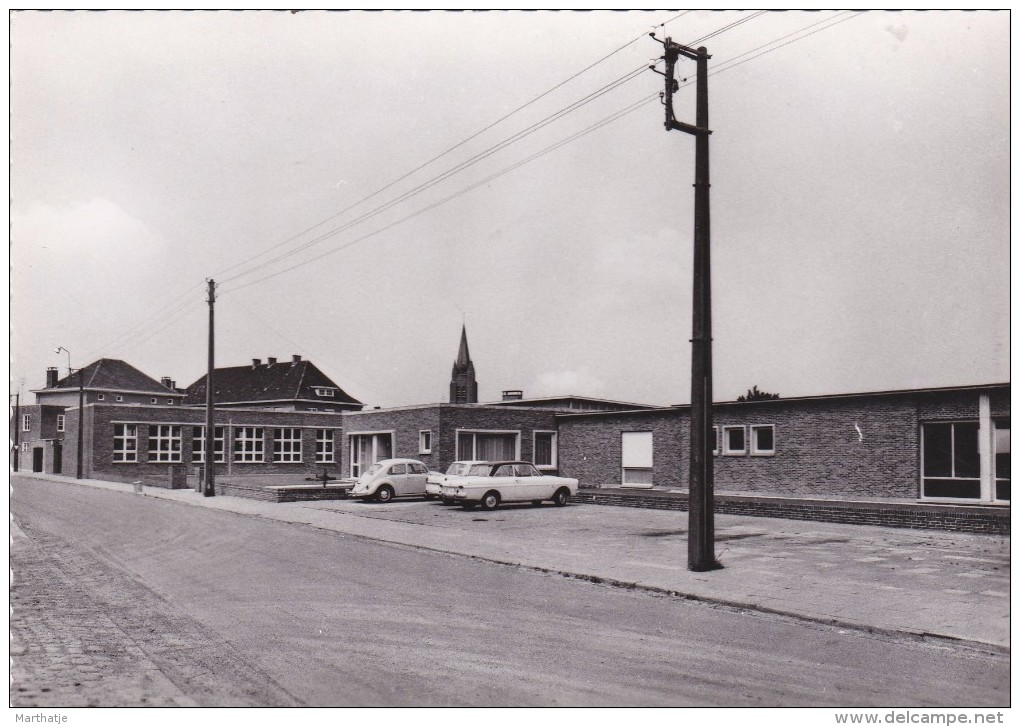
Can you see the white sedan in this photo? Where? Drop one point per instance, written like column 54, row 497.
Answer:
column 494, row 482
column 436, row 481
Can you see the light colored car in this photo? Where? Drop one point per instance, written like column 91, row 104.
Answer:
column 435, row 482
column 389, row 478
column 495, row 482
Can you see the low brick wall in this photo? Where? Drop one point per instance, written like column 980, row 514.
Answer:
column 926, row 516
column 282, row 494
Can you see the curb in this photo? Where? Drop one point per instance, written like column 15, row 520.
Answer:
column 911, row 634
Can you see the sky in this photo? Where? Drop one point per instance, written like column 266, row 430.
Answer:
column 362, row 184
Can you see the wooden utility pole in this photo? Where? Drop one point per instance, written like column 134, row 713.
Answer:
column 17, row 429
column 701, row 526
column 209, row 481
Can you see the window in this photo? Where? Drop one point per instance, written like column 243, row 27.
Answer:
column 248, row 444
column 198, row 444
column 26, row 423
column 100, row 397
column 60, row 422
column 398, row 469
column 170, row 401
column 368, row 448
column 153, row 400
column 716, row 440
column 324, row 450
column 951, row 467
column 125, row 442
column 487, row 445
column 120, row 398
column 425, row 441
column 287, row 444
column 637, row 462
column 763, row 439
column 323, row 391
column 734, row 441
column 417, row 468
column 164, row 443
column 545, row 450
column 1002, row 459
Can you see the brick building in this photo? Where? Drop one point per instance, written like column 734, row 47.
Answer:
column 950, row 444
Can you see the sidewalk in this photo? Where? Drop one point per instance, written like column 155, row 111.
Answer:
column 889, row 580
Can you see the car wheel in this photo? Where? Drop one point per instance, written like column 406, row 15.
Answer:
column 490, row 501
column 384, row 493
column 561, row 497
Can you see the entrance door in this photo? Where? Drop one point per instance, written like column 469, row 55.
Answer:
column 37, row 459
column 58, row 458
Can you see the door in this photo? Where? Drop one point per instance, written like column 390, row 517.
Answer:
column 398, row 476
column 37, row 459
column 58, row 458
column 416, row 478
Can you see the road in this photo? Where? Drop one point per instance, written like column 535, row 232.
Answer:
column 122, row 600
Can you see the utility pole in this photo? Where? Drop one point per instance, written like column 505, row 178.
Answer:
column 701, row 526
column 209, row 485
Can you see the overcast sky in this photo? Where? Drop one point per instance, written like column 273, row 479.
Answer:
column 860, row 199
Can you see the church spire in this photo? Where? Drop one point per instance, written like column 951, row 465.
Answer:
column 463, row 386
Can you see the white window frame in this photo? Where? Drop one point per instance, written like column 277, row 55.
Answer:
column 100, row 397
column 249, row 444
column 124, row 433
column 26, row 422
column 638, row 457
column 424, row 441
column 325, row 446
column 716, row 440
column 287, row 444
column 170, row 402
column 61, row 422
column 461, row 456
column 727, row 452
column 120, row 398
column 554, row 449
column 219, row 438
column 757, row 451
column 325, row 391
column 166, row 444
column 154, row 400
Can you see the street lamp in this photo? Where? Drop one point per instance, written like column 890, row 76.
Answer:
column 81, row 407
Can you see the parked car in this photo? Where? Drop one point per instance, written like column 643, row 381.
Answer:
column 389, row 478
column 492, row 483
column 435, row 482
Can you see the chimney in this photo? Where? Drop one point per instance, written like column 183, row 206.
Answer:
column 256, row 362
column 271, row 361
column 513, row 395
column 167, row 382
column 297, row 358
column 51, row 377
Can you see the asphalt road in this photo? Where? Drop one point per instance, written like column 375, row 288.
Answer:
column 130, row 600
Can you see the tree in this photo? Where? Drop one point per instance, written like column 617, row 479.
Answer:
column 756, row 395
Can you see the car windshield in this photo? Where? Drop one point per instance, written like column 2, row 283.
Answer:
column 480, row 470
column 457, row 468
column 373, row 469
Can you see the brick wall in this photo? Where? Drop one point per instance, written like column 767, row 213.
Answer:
column 99, row 430
column 443, row 420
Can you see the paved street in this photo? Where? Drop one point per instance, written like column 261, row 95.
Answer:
column 124, row 600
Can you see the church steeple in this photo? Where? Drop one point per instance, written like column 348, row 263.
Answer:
column 463, row 386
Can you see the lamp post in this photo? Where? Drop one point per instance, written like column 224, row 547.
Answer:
column 81, row 409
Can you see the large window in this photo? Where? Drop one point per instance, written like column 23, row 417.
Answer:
column 1002, row 459
column 286, row 444
column 125, row 442
column 324, row 447
column 249, row 445
column 763, row 439
column 487, row 445
column 545, row 450
column 951, row 465
column 198, row 445
column 26, row 423
column 164, row 443
column 734, row 440
column 368, row 448
column 637, row 448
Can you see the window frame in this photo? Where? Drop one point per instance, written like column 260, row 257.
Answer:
column 249, row 444
column 284, row 449
column 553, row 445
column 324, row 455
column 754, row 449
column 26, row 422
column 198, row 453
column 952, row 462
column 629, row 465
column 61, row 422
column 462, row 457
column 164, row 450
column 726, row 451
column 128, row 455
column 355, row 465
column 424, row 441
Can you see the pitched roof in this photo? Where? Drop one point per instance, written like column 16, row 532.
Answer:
column 111, row 374
column 284, row 381
column 463, row 357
